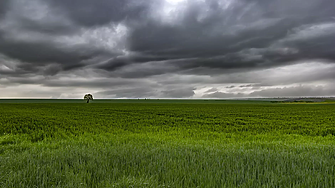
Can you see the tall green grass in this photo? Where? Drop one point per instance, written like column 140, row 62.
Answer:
column 167, row 145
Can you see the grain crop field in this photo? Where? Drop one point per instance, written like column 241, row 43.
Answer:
column 166, row 143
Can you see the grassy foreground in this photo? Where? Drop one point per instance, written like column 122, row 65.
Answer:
column 167, row 144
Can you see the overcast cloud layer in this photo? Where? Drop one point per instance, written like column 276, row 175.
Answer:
column 167, row 48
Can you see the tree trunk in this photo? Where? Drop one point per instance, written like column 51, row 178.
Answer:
column 88, row 101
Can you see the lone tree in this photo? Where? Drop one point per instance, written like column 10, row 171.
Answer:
column 88, row 97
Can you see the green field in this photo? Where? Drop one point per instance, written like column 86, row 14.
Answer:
column 166, row 143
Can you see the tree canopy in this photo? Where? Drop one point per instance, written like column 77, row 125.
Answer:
column 88, row 97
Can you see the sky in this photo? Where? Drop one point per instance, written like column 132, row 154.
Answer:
column 167, row 48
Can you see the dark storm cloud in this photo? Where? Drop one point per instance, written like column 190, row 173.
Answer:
column 39, row 54
column 3, row 7
column 41, row 37
column 229, row 35
column 247, row 35
column 173, row 44
column 92, row 13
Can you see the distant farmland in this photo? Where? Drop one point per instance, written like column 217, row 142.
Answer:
column 166, row 143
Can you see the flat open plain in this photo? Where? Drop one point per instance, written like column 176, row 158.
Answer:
column 166, row 143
